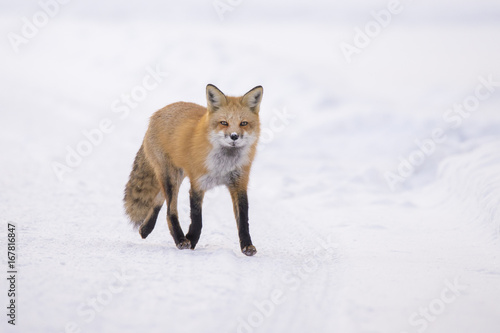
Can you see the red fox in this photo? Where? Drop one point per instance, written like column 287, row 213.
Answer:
column 212, row 146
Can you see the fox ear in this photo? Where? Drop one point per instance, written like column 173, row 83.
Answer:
column 215, row 98
column 253, row 97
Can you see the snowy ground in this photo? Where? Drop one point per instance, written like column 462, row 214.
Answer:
column 340, row 248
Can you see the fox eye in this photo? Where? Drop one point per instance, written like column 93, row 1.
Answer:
column 224, row 123
column 244, row 123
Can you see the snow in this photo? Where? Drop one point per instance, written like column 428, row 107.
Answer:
column 339, row 250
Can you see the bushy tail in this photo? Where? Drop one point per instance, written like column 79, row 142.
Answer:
column 141, row 189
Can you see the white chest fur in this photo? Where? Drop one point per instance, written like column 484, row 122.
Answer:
column 223, row 163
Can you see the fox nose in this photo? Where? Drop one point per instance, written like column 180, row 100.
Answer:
column 234, row 136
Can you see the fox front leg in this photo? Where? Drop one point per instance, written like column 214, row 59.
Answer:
column 195, row 201
column 240, row 207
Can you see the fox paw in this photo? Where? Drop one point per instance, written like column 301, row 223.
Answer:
column 249, row 250
column 144, row 231
column 184, row 244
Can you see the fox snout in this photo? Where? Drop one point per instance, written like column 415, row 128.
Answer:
column 234, row 139
column 234, row 136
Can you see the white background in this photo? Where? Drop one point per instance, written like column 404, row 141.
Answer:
column 343, row 251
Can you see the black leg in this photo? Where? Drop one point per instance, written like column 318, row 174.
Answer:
column 243, row 229
column 149, row 224
column 176, row 231
column 240, row 205
column 171, row 192
column 195, row 201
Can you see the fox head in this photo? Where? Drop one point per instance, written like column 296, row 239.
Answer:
column 233, row 121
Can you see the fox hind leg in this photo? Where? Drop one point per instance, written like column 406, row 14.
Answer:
column 149, row 224
column 171, row 184
column 150, row 221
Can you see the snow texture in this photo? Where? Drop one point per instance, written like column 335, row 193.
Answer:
column 346, row 241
